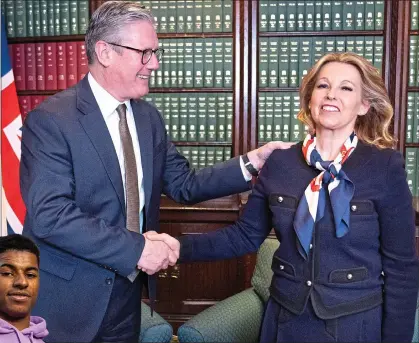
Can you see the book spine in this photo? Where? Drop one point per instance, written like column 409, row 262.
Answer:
column 51, row 66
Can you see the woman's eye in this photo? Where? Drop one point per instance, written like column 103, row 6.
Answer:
column 322, row 85
column 345, row 88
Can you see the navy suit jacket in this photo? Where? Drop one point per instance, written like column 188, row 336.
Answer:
column 341, row 275
column 72, row 187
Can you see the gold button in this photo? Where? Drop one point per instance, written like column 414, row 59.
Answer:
column 308, row 283
column 353, row 208
column 280, row 199
column 281, row 267
column 349, row 276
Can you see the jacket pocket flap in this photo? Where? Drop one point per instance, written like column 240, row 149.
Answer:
column 282, row 200
column 348, row 275
column 362, row 207
column 57, row 265
column 279, row 265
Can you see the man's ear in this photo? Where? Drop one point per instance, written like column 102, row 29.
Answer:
column 104, row 53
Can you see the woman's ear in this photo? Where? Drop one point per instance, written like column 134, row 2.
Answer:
column 365, row 107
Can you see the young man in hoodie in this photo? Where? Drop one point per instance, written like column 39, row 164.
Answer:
column 19, row 284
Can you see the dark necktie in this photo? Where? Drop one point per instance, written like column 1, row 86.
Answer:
column 131, row 178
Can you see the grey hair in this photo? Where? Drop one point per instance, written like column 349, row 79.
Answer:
column 108, row 20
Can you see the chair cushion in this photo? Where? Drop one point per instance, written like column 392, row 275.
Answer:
column 154, row 328
column 262, row 275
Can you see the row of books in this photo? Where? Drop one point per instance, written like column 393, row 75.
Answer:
column 201, row 156
column 48, row 66
column 283, row 61
column 412, row 118
column 34, row 18
column 320, row 15
column 196, row 117
column 195, row 62
column 28, row 102
column 412, row 167
column 413, row 61
column 277, row 117
column 191, row 15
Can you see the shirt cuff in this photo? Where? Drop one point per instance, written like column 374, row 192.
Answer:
column 133, row 275
column 247, row 176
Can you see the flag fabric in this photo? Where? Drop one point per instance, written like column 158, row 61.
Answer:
column 12, row 209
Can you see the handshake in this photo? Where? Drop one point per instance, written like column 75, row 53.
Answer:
column 160, row 251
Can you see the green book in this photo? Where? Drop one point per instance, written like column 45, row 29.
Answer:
column 379, row 15
column 269, row 116
column 194, row 157
column 284, row 62
column 337, row 9
column 263, row 15
column 413, row 61
column 180, row 54
column 165, row 65
column 190, row 15
column 221, row 117
column 51, row 17
column 211, row 117
column 411, row 171
column 9, row 9
column 378, row 53
column 202, row 157
column 171, row 16
column 202, row 117
column 262, row 117
column 166, row 114
column 30, row 28
column 273, row 61
column 294, row 61
column 369, row 15
column 350, row 44
column 189, row 63
column 227, row 153
column 210, row 155
column 263, row 61
column 181, row 16
column 83, row 15
column 199, row 63
column 219, row 155
column 37, row 18
column 272, row 21
column 155, row 11
column 360, row 45
column 409, row 117
column 277, row 126
column 183, row 117
column 57, row 17
column 291, row 16
column 301, row 16
column 208, row 16
column 309, row 16
column 228, row 63
column 209, row 62
column 218, row 15
column 340, row 44
column 65, row 17
column 74, row 17
column 306, row 59
column 416, row 120
column 348, row 15
column 228, row 15
column 330, row 45
column 359, row 15
column 230, row 112
column 318, row 18
column 296, row 130
column 173, row 62
column 174, row 117
column 327, row 16
column 414, row 9
column 281, row 16
column 198, row 12
column 186, row 152
column 163, row 13
column 218, row 62
column 192, row 117
column 286, row 116
column 319, row 49
column 20, row 18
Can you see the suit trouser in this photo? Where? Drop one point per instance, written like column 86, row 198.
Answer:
column 122, row 320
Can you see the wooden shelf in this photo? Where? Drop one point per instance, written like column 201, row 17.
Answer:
column 411, row 145
column 414, row 33
column 413, row 89
column 320, row 33
column 196, row 35
column 43, row 39
column 279, row 89
column 179, row 143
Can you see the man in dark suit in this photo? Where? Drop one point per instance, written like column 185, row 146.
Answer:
column 94, row 164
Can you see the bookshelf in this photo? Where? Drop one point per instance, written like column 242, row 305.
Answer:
column 185, row 290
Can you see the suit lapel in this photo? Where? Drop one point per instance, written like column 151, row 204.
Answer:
column 145, row 138
column 95, row 127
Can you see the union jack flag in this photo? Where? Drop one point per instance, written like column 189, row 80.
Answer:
column 12, row 206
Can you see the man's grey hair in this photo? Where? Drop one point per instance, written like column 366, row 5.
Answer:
column 108, row 20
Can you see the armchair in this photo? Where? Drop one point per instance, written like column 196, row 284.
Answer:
column 154, row 328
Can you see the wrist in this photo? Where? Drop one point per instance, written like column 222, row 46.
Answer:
column 250, row 167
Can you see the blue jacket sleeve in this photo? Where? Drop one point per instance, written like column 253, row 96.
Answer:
column 399, row 260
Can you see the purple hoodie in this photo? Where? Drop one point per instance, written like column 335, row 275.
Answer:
column 36, row 331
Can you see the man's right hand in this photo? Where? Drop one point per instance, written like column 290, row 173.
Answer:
column 155, row 256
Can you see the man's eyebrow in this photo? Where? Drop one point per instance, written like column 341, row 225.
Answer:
column 11, row 266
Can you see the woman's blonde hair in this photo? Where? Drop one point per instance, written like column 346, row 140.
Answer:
column 371, row 128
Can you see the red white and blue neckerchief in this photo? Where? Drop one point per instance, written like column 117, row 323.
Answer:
column 341, row 190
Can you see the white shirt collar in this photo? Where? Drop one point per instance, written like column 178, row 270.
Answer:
column 106, row 102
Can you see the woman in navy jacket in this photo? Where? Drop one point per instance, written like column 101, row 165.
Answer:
column 346, row 269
